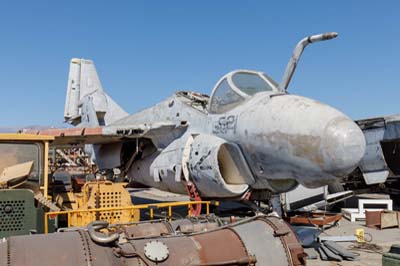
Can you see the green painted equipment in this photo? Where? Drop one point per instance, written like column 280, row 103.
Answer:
column 23, row 184
column 18, row 213
column 392, row 258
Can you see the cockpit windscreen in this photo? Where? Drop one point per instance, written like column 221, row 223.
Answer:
column 236, row 87
column 250, row 83
column 224, row 98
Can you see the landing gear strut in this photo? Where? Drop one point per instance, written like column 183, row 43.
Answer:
column 195, row 210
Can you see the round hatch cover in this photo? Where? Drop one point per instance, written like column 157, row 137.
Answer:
column 156, row 251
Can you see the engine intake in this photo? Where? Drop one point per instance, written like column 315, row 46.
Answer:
column 218, row 168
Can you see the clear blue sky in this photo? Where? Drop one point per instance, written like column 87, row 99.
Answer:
column 146, row 50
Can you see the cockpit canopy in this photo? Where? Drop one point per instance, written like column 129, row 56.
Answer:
column 236, row 87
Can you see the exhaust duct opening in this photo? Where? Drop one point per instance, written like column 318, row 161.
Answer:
column 233, row 168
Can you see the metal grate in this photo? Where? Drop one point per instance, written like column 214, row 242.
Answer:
column 109, row 200
column 12, row 214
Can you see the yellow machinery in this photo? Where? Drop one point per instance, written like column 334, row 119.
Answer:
column 26, row 191
column 95, row 195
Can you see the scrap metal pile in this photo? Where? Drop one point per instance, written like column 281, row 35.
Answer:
column 73, row 160
column 329, row 250
column 260, row 240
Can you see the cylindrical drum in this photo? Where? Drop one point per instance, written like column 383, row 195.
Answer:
column 261, row 240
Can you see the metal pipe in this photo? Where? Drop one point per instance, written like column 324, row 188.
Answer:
column 96, row 237
column 46, row 223
column 298, row 51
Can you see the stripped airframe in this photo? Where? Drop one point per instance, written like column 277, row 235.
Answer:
column 249, row 139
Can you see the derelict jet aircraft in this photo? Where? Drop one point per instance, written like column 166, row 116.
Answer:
column 249, row 139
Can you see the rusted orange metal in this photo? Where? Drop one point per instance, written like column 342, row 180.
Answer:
column 289, row 240
column 373, row 218
column 55, row 132
column 382, row 219
column 315, row 218
column 260, row 240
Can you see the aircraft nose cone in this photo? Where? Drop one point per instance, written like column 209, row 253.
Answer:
column 343, row 146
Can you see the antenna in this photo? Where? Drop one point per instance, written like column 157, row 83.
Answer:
column 298, row 51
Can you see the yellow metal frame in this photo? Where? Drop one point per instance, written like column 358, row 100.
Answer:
column 34, row 138
column 46, row 169
column 151, row 207
column 21, row 136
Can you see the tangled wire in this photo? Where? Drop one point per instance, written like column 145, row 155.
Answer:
column 366, row 247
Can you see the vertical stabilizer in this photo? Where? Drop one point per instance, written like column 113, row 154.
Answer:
column 87, row 104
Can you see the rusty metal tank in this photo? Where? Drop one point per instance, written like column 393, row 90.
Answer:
column 260, row 240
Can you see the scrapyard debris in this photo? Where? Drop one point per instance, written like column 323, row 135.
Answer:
column 311, row 253
column 307, row 235
column 329, row 254
column 389, row 219
column 378, row 170
column 317, row 218
column 359, row 237
column 259, row 240
column 330, row 250
column 69, row 158
column 392, row 257
column 337, row 238
column 366, row 247
column 354, row 214
column 382, row 219
column 312, row 199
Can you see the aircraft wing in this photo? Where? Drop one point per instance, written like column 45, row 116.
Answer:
column 381, row 156
column 104, row 134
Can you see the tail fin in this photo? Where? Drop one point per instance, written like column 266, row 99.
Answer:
column 87, row 104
